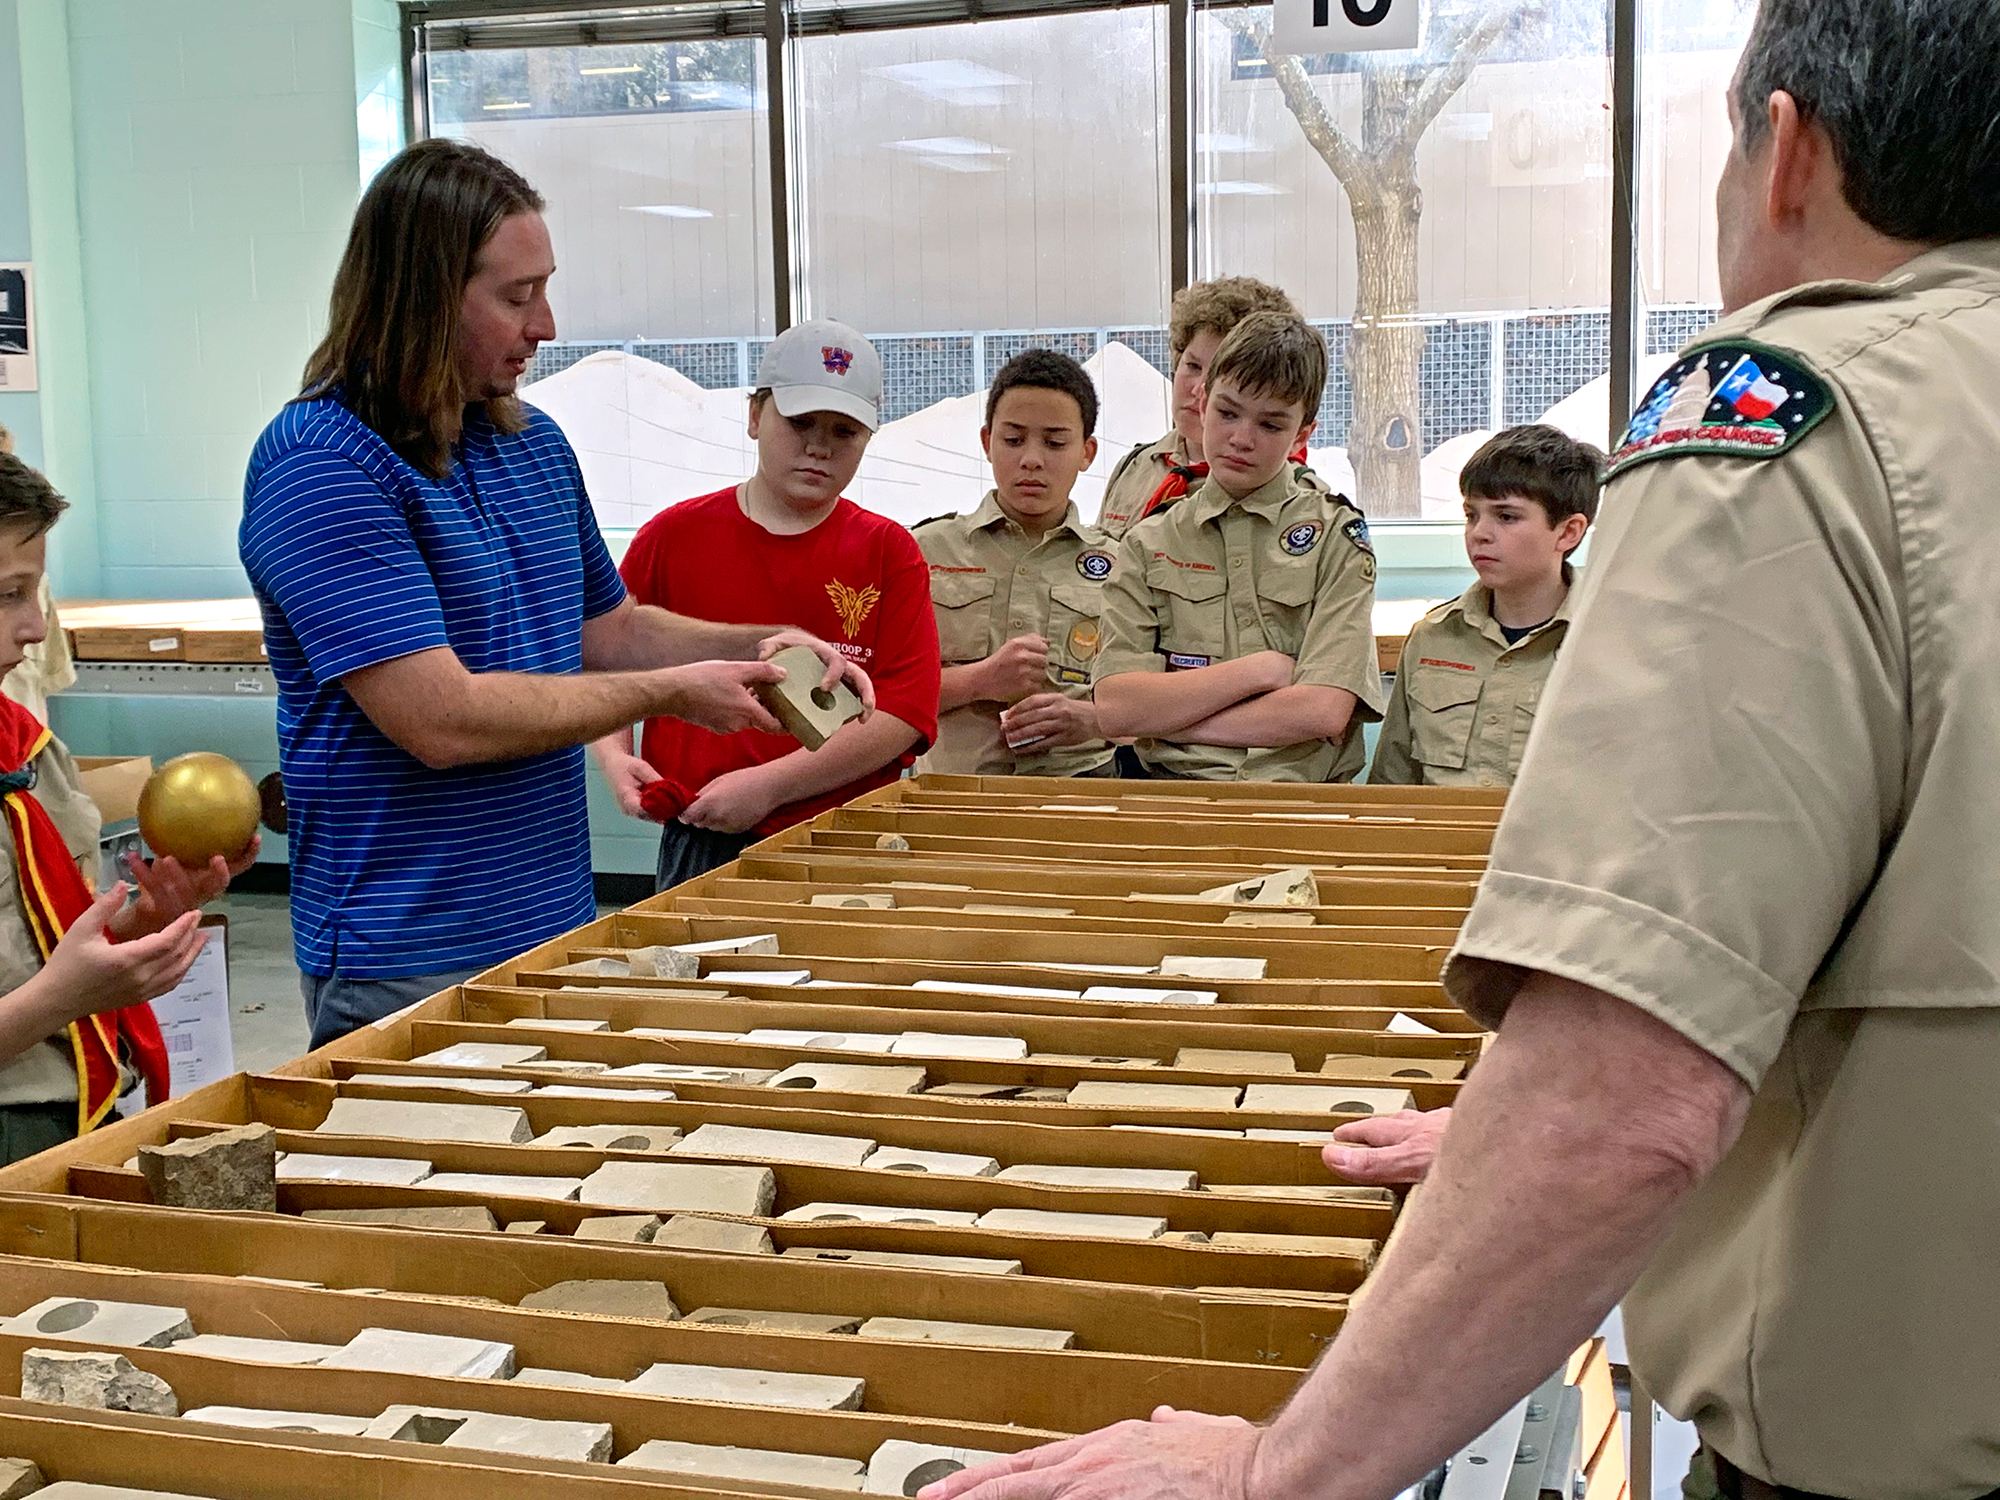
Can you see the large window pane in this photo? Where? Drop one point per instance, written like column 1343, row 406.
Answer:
column 1690, row 51
column 967, row 185
column 653, row 160
column 1442, row 214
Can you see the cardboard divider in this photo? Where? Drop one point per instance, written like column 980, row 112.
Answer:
column 1192, row 793
column 930, row 1382
column 804, row 1182
column 1345, row 1005
column 1393, row 806
column 1070, row 1256
column 199, row 1380
column 832, row 1103
column 1285, row 829
column 916, row 911
column 797, row 884
column 289, row 1102
column 778, row 858
column 1050, row 849
column 224, row 1463
column 487, row 1011
column 1223, row 1326
column 819, row 933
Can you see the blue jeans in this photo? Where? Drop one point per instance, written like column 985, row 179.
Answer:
column 336, row 1006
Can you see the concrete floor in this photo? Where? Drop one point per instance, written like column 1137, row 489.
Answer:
column 267, row 1016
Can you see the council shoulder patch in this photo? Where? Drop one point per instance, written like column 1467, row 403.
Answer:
column 1094, row 565
column 1356, row 531
column 1300, row 539
column 1739, row 400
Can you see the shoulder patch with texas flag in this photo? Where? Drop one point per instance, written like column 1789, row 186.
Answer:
column 1739, row 400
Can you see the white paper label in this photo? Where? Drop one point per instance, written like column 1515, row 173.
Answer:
column 163, row 643
column 1313, row 26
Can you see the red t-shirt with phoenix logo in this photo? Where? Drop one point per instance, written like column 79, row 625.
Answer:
column 856, row 580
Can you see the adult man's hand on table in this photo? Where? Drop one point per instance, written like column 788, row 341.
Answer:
column 838, row 668
column 1178, row 1455
column 1389, row 1150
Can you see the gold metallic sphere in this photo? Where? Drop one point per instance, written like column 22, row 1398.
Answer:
column 196, row 806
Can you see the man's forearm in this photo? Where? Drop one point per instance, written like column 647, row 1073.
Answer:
column 856, row 750
column 431, row 706
column 1285, row 717
column 1581, row 1131
column 959, row 686
column 637, row 637
column 1152, row 705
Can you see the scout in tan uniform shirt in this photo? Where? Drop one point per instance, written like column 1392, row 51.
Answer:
column 1472, row 670
column 1739, row 931
column 1255, row 593
column 1017, row 587
column 1154, row 475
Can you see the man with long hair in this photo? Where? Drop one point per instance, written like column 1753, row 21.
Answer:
column 445, row 623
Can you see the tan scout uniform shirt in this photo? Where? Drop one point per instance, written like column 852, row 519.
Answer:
column 46, row 1072
column 1139, row 476
column 1287, row 568
column 1135, row 481
column 1464, row 699
column 990, row 582
column 1762, row 806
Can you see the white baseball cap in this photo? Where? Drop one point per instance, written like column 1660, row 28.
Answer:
column 822, row 365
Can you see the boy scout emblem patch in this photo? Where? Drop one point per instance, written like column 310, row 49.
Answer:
column 1739, row 400
column 1096, row 566
column 1356, row 531
column 1084, row 639
column 1301, row 539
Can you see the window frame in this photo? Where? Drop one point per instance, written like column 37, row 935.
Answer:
column 451, row 25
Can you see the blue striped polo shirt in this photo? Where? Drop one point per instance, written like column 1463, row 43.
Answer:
column 359, row 558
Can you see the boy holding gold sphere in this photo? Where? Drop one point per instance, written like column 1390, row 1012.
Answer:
column 77, row 969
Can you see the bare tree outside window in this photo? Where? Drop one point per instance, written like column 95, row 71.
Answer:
column 1402, row 95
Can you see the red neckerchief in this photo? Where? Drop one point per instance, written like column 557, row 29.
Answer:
column 1181, row 478
column 53, row 896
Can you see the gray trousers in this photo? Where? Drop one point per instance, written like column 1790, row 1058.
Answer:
column 336, row 1006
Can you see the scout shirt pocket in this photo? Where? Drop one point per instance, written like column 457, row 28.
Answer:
column 963, row 603
column 1285, row 594
column 1524, row 724
column 1189, row 608
column 1444, row 708
column 1074, row 632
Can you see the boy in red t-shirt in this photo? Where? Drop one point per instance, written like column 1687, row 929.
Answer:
column 785, row 547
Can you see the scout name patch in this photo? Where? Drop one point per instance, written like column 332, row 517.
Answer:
column 1739, row 400
column 1301, row 539
column 1180, row 662
column 1096, row 566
